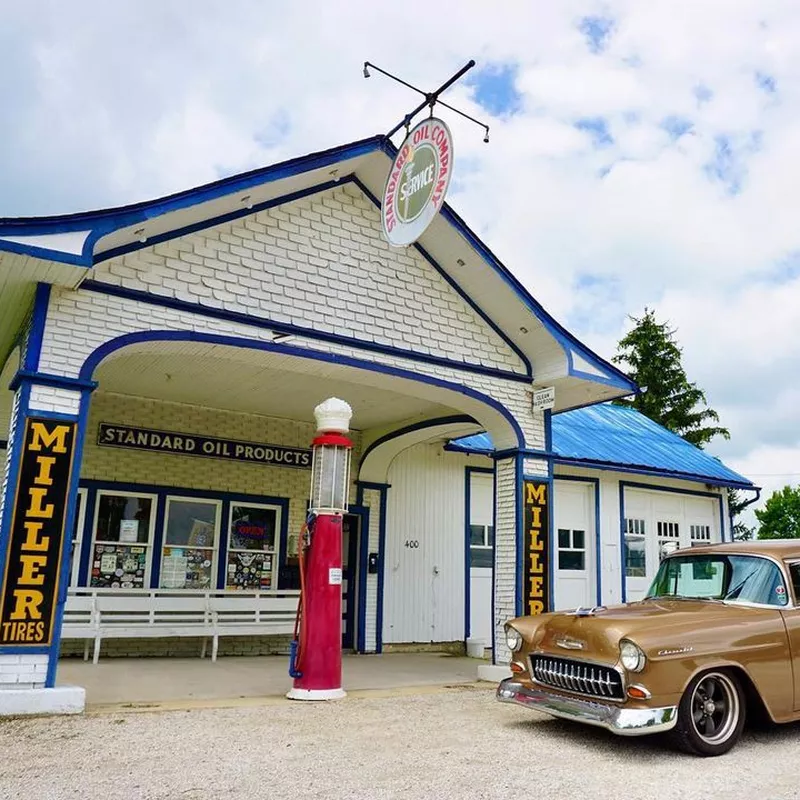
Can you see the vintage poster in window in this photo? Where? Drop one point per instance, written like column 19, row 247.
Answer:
column 129, row 531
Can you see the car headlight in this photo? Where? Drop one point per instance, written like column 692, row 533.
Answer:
column 631, row 656
column 513, row 639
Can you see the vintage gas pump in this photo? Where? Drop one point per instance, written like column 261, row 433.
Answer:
column 316, row 661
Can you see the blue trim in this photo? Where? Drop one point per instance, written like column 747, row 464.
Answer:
column 417, row 426
column 519, row 523
column 649, row 487
column 623, row 576
column 12, row 479
column 294, row 330
column 230, row 216
column 526, row 452
column 86, row 537
column 331, row 358
column 656, row 473
column 597, row 533
column 102, row 223
column 457, row 288
column 46, row 379
column 33, row 349
column 363, row 557
column 468, row 473
column 26, row 651
column 156, row 551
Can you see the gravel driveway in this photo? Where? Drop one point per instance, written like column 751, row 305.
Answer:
column 456, row 743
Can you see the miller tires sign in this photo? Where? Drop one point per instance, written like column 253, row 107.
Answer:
column 417, row 182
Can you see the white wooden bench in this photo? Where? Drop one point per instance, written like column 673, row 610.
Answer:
column 97, row 614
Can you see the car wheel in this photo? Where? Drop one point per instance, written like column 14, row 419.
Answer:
column 711, row 714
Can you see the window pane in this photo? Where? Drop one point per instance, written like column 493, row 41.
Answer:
column 74, row 544
column 477, row 535
column 579, row 540
column 563, row 537
column 186, row 568
column 192, row 523
column 249, row 571
column 480, row 556
column 635, row 557
column 571, row 559
column 122, row 518
column 118, row 566
column 490, row 535
column 252, row 528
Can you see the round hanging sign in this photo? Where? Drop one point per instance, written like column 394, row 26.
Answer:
column 417, row 182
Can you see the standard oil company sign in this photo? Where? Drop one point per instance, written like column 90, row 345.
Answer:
column 417, row 182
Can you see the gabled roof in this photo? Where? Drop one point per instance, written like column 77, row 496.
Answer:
column 609, row 436
column 63, row 249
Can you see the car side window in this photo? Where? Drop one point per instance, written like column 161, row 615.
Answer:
column 794, row 571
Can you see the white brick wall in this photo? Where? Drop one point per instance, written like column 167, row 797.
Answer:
column 321, row 257
column 22, row 672
column 505, row 563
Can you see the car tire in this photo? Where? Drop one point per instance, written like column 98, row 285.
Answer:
column 711, row 714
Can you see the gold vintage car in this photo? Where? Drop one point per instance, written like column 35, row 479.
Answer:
column 716, row 638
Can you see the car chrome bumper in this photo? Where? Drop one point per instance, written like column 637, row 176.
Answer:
column 619, row 720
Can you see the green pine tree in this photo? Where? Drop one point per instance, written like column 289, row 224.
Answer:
column 651, row 356
column 780, row 517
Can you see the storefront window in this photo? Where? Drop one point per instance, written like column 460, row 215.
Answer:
column 190, row 542
column 635, row 562
column 252, row 536
column 122, row 536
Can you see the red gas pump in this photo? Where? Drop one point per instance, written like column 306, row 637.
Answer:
column 316, row 652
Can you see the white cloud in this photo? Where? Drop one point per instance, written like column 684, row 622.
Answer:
column 117, row 102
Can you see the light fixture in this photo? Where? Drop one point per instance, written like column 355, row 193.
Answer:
column 460, row 262
column 247, row 201
column 140, row 235
column 334, row 173
column 523, row 330
column 486, row 137
column 366, row 71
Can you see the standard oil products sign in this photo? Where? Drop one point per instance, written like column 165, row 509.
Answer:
column 535, row 582
column 417, row 182
column 30, row 583
column 190, row 444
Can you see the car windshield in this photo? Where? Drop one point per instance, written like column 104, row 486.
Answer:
column 732, row 578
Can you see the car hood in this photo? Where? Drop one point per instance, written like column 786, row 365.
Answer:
column 656, row 625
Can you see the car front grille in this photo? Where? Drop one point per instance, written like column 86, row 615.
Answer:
column 576, row 676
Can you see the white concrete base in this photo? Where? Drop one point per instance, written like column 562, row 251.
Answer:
column 316, row 694
column 40, row 702
column 475, row 648
column 493, row 672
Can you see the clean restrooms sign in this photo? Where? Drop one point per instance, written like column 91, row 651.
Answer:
column 417, row 182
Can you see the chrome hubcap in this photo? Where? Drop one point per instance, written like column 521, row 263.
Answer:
column 714, row 708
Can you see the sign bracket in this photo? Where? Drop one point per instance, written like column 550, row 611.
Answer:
column 431, row 98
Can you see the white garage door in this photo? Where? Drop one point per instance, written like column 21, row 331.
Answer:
column 481, row 552
column 658, row 522
column 575, row 540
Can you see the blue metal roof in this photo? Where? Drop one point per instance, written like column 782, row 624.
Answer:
column 607, row 436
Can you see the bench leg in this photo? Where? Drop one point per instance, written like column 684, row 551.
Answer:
column 96, row 650
column 203, row 648
column 86, row 650
column 214, row 647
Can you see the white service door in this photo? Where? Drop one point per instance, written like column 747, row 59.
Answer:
column 574, row 542
column 481, row 527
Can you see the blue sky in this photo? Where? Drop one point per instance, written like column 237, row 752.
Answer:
column 641, row 153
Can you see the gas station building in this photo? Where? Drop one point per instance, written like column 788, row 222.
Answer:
column 167, row 357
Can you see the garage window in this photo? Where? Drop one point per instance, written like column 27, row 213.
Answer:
column 700, row 534
column 669, row 538
column 635, row 562
column 571, row 549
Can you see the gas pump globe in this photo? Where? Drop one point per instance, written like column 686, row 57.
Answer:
column 330, row 468
column 316, row 652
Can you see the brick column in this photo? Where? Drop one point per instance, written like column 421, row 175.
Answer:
column 38, row 506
